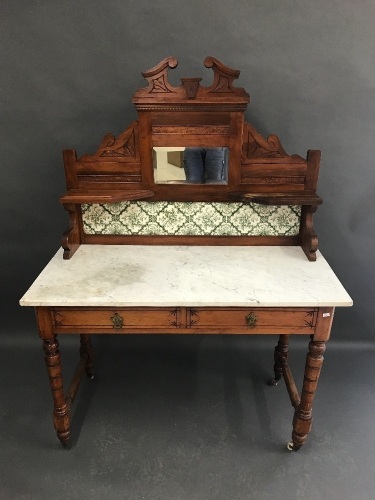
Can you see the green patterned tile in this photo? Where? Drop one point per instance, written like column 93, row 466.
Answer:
column 190, row 218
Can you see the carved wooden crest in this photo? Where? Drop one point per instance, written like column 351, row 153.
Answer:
column 157, row 76
column 222, row 88
column 124, row 147
column 255, row 146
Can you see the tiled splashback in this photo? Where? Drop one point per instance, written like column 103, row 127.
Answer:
column 190, row 218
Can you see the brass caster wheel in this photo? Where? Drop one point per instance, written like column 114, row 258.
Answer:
column 90, row 375
column 66, row 443
column 290, row 446
column 273, row 382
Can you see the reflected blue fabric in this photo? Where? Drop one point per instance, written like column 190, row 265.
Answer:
column 205, row 165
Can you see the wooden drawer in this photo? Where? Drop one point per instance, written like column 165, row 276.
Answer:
column 106, row 320
column 221, row 320
column 256, row 320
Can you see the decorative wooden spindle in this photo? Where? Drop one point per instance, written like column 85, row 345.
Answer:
column 280, row 356
column 303, row 415
column 88, row 350
column 61, row 412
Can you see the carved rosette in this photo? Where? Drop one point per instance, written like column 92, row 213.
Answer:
column 194, row 318
column 174, row 318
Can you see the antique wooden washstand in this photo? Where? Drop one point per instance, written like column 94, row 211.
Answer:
column 151, row 255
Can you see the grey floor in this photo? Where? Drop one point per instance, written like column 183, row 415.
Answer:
column 186, row 418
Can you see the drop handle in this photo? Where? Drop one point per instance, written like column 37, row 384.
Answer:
column 251, row 320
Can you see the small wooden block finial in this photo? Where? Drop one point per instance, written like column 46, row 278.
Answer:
column 191, row 86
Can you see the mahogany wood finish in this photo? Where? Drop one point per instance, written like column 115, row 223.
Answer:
column 81, row 196
column 186, row 320
column 61, row 411
column 113, row 239
column 182, row 320
column 260, row 170
column 303, row 415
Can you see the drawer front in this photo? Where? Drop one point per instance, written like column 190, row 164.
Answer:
column 256, row 320
column 220, row 320
column 121, row 319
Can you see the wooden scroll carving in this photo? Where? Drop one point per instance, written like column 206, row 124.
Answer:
column 223, row 77
column 190, row 88
column 123, row 148
column 157, row 76
column 158, row 82
column 256, row 146
column 71, row 239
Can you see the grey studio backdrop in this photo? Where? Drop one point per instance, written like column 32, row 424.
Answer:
column 69, row 70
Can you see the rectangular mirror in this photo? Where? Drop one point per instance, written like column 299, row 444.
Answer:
column 190, row 165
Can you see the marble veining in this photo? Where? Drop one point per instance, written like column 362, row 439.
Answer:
column 121, row 275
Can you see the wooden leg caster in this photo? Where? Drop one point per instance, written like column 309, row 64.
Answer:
column 64, row 439
column 290, row 446
column 302, row 420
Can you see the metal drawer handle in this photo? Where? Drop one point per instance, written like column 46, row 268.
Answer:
column 117, row 321
column 251, row 320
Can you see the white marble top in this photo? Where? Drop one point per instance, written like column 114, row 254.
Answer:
column 121, row 275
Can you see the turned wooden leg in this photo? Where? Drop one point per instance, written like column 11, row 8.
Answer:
column 280, row 357
column 303, row 415
column 61, row 412
column 88, row 350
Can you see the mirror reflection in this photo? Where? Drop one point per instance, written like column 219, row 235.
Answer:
column 193, row 165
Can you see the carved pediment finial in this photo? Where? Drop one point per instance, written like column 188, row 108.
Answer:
column 190, row 92
column 191, row 86
column 157, row 76
column 223, row 76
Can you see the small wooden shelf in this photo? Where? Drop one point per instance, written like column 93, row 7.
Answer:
column 286, row 198
column 87, row 196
